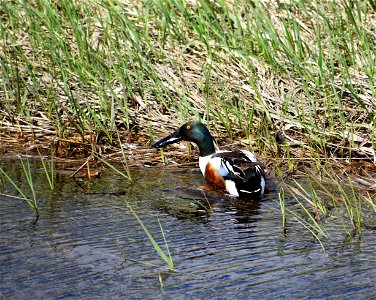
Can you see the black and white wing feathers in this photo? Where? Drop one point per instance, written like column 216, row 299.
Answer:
column 244, row 170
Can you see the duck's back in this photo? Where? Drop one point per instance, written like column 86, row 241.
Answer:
column 239, row 172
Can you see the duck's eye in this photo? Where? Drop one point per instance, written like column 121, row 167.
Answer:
column 188, row 126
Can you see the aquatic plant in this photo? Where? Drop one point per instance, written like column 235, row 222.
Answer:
column 282, row 204
column 317, row 198
column 31, row 200
column 301, row 213
column 345, row 199
column 166, row 257
column 126, row 174
column 49, row 170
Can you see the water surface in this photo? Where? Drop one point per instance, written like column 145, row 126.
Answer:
column 86, row 244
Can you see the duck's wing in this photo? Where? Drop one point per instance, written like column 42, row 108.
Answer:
column 240, row 166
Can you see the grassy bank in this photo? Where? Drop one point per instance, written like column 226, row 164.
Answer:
column 75, row 74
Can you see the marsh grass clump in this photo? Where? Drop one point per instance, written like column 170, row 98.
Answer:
column 26, row 178
column 315, row 200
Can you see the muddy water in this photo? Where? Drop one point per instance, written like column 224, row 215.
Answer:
column 86, row 244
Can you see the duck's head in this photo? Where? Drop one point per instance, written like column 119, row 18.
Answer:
column 192, row 131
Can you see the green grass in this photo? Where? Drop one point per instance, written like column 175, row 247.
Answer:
column 318, row 202
column 282, row 204
column 165, row 257
column 29, row 196
column 247, row 68
column 346, row 201
column 49, row 170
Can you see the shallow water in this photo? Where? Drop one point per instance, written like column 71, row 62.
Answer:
column 86, row 244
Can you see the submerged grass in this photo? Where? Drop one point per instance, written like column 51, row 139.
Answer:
column 344, row 199
column 282, row 204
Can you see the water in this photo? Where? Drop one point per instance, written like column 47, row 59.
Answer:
column 86, row 244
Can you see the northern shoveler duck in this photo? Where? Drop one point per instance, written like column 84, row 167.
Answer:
column 237, row 172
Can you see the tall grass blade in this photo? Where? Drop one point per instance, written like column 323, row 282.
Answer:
column 32, row 202
column 49, row 171
column 167, row 258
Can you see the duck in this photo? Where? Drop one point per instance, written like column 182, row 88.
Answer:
column 237, row 172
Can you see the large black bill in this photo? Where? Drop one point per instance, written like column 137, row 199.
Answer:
column 172, row 138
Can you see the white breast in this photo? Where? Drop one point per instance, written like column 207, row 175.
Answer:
column 216, row 162
column 203, row 161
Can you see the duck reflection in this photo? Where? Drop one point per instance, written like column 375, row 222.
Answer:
column 198, row 204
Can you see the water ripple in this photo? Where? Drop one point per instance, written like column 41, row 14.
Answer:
column 90, row 246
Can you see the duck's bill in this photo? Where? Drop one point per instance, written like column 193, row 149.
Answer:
column 172, row 138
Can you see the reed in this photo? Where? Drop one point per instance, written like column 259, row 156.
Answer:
column 320, row 197
column 30, row 198
column 282, row 204
column 303, row 213
column 165, row 257
column 246, row 69
column 126, row 173
column 49, row 170
column 345, row 199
